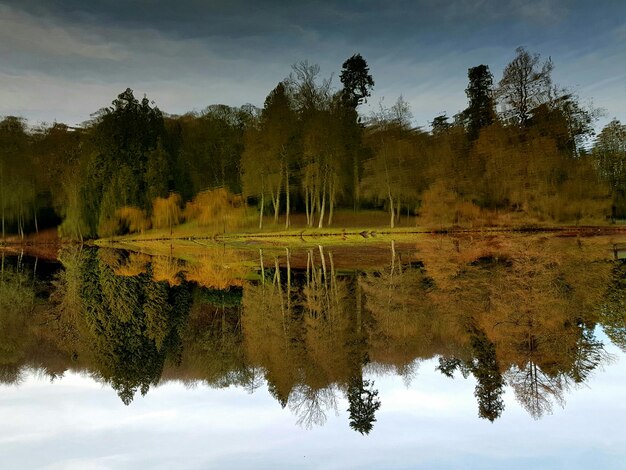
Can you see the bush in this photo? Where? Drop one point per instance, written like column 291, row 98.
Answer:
column 217, row 209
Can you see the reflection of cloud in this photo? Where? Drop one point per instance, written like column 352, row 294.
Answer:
column 541, row 11
column 24, row 33
column 102, row 463
column 431, row 425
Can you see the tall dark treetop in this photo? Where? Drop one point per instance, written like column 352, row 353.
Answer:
column 356, row 79
column 480, row 112
column 440, row 124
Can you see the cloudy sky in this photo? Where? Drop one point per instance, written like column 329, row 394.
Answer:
column 64, row 59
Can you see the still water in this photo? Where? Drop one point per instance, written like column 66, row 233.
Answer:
column 440, row 352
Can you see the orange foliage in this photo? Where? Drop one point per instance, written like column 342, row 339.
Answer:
column 132, row 218
column 442, row 207
column 165, row 268
column 216, row 208
column 166, row 211
column 135, row 265
column 217, row 269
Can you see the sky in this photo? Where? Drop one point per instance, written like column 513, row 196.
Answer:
column 431, row 423
column 65, row 59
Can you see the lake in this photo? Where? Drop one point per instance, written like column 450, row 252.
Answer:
column 427, row 352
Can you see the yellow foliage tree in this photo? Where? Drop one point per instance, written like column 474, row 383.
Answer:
column 132, row 218
column 217, row 209
column 166, row 212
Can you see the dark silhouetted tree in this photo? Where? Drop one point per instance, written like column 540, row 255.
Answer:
column 481, row 110
column 357, row 81
column 364, row 404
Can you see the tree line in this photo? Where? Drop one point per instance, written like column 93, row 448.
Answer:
column 523, row 149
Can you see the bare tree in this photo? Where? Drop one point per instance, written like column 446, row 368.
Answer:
column 526, row 83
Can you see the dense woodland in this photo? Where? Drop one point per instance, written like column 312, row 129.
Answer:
column 522, row 151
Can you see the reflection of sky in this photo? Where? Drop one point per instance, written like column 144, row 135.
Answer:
column 75, row 423
column 65, row 59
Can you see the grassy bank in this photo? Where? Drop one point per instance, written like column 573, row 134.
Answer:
column 349, row 228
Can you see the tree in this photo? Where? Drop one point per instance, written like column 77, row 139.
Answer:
column 267, row 159
column 166, row 212
column 609, row 153
column 357, row 81
column 565, row 120
column 306, row 93
column 126, row 137
column 390, row 173
column 357, row 86
column 17, row 189
column 481, row 110
column 526, row 83
column 440, row 124
column 322, row 146
column 364, row 404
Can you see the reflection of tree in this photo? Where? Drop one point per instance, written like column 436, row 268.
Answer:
column 535, row 389
column 496, row 309
column 326, row 301
column 490, row 385
column 134, row 323
column 213, row 339
column 527, row 308
column 483, row 365
column 17, row 303
column 401, row 316
column 539, row 387
column 613, row 309
column 311, row 404
column 216, row 269
column 273, row 332
column 364, row 403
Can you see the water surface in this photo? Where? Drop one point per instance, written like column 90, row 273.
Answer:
column 441, row 352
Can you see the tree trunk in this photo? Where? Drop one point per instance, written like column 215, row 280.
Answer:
column 261, row 211
column 276, row 202
column 288, row 281
column 323, row 203
column 359, row 304
column 262, row 266
column 287, row 201
column 2, row 195
column 398, row 210
column 391, row 211
column 306, row 206
column 331, row 204
column 355, row 182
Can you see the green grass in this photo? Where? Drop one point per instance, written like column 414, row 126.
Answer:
column 349, row 228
